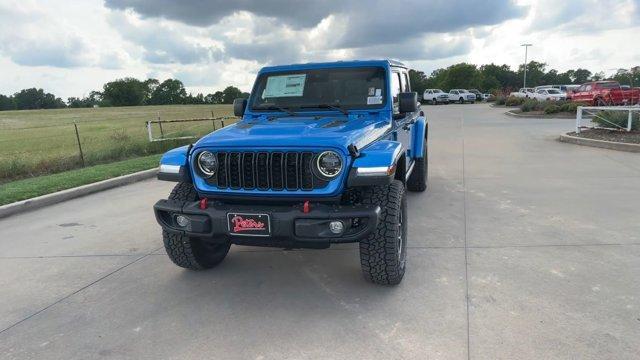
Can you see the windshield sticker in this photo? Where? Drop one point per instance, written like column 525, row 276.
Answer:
column 374, row 100
column 284, row 86
column 372, row 91
column 378, row 92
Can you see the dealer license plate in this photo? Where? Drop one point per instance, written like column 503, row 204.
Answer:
column 247, row 224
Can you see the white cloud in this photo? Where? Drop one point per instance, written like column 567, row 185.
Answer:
column 72, row 47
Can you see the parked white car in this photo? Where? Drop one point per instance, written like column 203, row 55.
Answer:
column 435, row 96
column 549, row 95
column 461, row 96
column 523, row 93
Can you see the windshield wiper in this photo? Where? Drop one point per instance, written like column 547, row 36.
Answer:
column 279, row 108
column 326, row 106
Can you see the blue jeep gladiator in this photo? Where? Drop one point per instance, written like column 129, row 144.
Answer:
column 322, row 154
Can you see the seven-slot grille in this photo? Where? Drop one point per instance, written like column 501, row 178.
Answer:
column 266, row 171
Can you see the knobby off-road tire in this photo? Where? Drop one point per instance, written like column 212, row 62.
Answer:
column 191, row 253
column 383, row 253
column 419, row 176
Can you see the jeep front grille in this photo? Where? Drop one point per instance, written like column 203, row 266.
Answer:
column 266, row 171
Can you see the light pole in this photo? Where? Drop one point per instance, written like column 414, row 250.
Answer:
column 526, row 47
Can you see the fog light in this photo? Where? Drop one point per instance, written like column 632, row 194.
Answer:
column 336, row 227
column 182, row 221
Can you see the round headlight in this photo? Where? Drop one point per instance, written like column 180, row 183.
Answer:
column 207, row 163
column 329, row 164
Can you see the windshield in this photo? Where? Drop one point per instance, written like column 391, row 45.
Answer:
column 437, row 91
column 553, row 91
column 347, row 88
column 608, row 85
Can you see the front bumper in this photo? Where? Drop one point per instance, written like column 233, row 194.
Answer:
column 290, row 226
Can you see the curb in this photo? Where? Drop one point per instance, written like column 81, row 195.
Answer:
column 535, row 116
column 68, row 194
column 611, row 145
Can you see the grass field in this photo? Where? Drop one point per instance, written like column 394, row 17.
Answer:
column 46, row 184
column 37, row 142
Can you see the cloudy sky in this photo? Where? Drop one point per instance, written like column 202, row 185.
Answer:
column 72, row 47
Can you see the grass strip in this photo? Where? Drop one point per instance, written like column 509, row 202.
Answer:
column 42, row 185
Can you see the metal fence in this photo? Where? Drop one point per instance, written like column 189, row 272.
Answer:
column 216, row 123
column 590, row 112
column 50, row 148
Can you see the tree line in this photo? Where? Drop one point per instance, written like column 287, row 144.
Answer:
column 121, row 92
column 487, row 78
column 494, row 78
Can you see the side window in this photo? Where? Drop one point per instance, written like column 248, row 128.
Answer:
column 395, row 89
column 406, row 87
column 588, row 88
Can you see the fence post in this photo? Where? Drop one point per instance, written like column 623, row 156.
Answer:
column 79, row 144
column 222, row 122
column 578, row 119
column 149, row 131
column 630, row 120
column 160, row 125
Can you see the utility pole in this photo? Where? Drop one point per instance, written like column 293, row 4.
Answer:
column 526, row 47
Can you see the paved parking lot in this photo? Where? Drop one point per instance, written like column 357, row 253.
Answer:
column 522, row 248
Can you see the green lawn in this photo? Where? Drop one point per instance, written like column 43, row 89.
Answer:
column 29, row 188
column 37, row 142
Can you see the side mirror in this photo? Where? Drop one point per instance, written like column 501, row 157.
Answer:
column 238, row 107
column 408, row 102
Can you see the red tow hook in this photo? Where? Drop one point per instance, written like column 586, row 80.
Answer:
column 306, row 207
column 203, row 203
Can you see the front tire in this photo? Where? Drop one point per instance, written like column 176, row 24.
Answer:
column 383, row 254
column 461, row 101
column 192, row 253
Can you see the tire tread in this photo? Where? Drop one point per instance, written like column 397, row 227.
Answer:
column 378, row 252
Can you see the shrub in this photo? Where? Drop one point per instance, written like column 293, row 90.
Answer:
column 514, row 101
column 529, row 105
column 551, row 109
column 569, row 107
column 500, row 99
column 617, row 119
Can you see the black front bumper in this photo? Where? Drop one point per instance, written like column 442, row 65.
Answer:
column 290, row 226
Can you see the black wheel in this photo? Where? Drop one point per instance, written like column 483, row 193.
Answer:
column 383, row 254
column 461, row 101
column 418, row 179
column 192, row 253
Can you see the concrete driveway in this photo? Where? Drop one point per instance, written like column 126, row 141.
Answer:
column 522, row 248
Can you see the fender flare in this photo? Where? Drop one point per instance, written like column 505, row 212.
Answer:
column 174, row 165
column 419, row 138
column 376, row 165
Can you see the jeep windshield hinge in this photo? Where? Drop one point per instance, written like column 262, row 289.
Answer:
column 353, row 151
